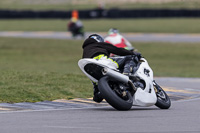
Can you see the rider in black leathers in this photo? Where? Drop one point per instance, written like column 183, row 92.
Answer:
column 94, row 46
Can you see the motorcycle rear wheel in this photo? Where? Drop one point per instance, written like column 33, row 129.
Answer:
column 112, row 97
column 163, row 100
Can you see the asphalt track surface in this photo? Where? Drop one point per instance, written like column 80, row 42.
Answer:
column 137, row 37
column 85, row 116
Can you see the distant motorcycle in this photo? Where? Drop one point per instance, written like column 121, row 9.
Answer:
column 121, row 91
column 76, row 29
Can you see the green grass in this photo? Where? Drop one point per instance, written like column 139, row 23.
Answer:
column 38, row 69
column 172, row 59
column 170, row 25
column 45, row 69
column 83, row 4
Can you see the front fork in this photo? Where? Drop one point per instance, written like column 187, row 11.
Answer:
column 159, row 91
column 156, row 86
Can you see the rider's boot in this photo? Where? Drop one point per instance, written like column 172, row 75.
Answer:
column 97, row 95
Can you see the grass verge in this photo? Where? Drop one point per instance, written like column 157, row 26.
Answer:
column 164, row 25
column 45, row 69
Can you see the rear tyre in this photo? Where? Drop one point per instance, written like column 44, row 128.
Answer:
column 163, row 100
column 112, row 94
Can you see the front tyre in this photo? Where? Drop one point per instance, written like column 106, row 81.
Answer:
column 163, row 100
column 112, row 94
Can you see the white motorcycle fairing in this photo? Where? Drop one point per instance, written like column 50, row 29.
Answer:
column 85, row 61
column 142, row 97
column 146, row 97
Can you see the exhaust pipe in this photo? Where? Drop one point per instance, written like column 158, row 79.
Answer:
column 118, row 76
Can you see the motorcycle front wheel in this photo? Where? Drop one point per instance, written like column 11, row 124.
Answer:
column 120, row 100
column 163, row 100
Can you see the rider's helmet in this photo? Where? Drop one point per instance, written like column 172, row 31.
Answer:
column 97, row 37
column 113, row 31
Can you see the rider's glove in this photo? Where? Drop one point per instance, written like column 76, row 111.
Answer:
column 137, row 54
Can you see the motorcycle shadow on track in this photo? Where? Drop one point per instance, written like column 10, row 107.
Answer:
column 132, row 109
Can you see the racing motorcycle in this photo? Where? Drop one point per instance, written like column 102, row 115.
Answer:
column 122, row 91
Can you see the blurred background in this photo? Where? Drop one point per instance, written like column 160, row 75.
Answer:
column 39, row 54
